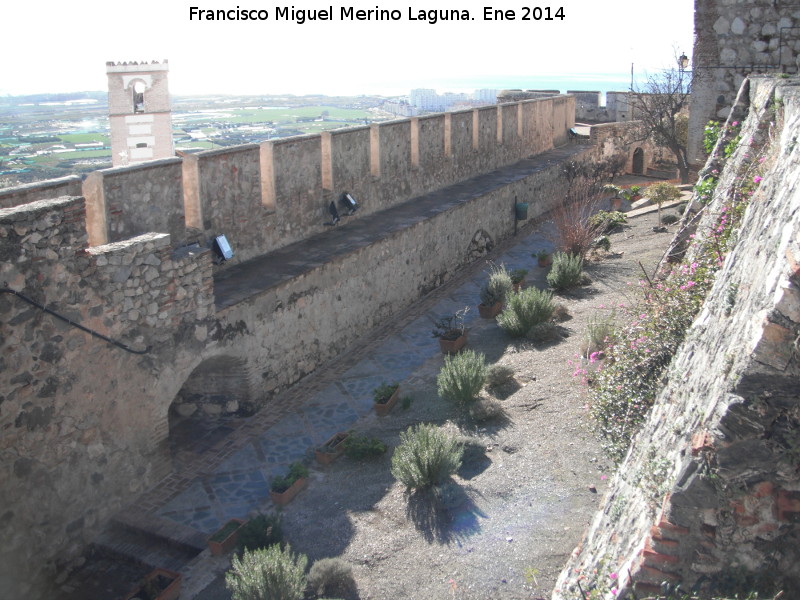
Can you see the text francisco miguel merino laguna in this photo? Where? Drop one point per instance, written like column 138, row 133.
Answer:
column 349, row 13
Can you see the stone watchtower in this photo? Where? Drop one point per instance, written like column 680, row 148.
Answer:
column 139, row 111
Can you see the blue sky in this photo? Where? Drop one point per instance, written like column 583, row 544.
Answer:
column 56, row 46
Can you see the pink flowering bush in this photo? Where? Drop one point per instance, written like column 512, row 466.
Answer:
column 638, row 352
column 624, row 388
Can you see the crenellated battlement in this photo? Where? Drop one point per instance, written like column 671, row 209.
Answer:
column 123, row 66
column 266, row 196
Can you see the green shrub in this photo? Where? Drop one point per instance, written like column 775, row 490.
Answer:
column 704, row 190
column 566, row 272
column 361, row 447
column 282, row 483
column 498, row 375
column 382, row 393
column 462, row 377
column 426, row 456
column 497, row 287
column 599, row 332
column 331, row 576
column 261, row 532
column 602, row 242
column 526, row 309
column 518, row 276
column 605, row 221
column 486, row 409
column 670, row 219
column 267, row 573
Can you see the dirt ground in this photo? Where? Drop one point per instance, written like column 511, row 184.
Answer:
column 531, row 479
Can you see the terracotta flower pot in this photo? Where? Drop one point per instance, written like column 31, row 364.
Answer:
column 454, row 345
column 168, row 584
column 490, row 312
column 222, row 546
column 283, row 498
column 384, row 408
column 544, row 262
column 331, row 450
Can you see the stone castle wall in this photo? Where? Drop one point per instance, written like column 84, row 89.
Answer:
column 85, row 420
column 710, row 490
column 263, row 197
column 732, row 41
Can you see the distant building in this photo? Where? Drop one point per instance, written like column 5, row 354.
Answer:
column 139, row 112
column 428, row 100
column 400, row 109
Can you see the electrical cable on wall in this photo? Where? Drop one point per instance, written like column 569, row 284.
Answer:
column 32, row 302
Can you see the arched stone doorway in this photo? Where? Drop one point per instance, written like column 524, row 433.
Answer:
column 217, row 387
column 637, row 166
column 213, row 395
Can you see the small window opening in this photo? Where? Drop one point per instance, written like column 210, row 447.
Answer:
column 138, row 97
column 141, row 145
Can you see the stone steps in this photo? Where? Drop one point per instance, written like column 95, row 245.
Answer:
column 148, row 540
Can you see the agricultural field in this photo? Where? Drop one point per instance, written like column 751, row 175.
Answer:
column 45, row 140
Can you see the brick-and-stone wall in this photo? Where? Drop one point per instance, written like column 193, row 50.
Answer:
column 710, row 489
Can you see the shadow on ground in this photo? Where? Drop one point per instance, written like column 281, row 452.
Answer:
column 444, row 514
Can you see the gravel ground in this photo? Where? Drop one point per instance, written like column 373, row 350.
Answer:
column 530, row 482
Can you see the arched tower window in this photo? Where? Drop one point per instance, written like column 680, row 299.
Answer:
column 138, row 97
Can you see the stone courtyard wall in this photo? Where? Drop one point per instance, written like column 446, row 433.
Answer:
column 710, row 489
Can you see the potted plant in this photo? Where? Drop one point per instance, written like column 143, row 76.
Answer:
column 331, row 449
column 517, row 278
column 284, row 488
column 385, row 397
column 159, row 584
column 451, row 331
column 493, row 292
column 634, row 193
column 543, row 258
column 361, row 447
column 225, row 539
column 616, row 199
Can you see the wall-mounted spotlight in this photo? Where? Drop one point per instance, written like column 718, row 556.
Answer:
column 222, row 248
column 334, row 214
column 349, row 203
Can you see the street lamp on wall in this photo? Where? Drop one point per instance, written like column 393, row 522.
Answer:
column 683, row 62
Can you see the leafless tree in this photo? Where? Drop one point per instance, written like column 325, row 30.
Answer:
column 661, row 106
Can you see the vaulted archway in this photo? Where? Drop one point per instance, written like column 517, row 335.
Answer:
column 215, row 394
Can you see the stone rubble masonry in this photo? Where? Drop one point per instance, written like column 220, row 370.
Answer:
column 732, row 40
column 85, row 424
column 727, row 423
column 41, row 190
column 83, row 427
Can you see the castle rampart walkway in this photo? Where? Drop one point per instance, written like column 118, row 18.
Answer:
column 242, row 281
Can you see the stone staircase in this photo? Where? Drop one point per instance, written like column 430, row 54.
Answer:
column 150, row 541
